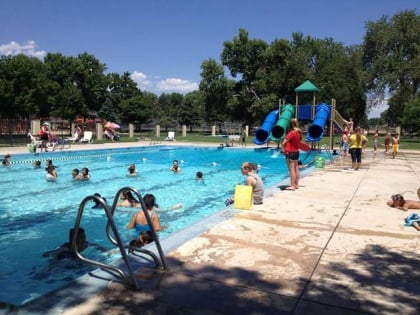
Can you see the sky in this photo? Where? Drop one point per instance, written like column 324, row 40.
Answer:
column 163, row 43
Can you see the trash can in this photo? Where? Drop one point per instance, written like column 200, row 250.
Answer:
column 31, row 148
column 320, row 162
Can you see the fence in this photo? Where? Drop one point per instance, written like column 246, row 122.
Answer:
column 14, row 131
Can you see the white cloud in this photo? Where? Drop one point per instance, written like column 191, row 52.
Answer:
column 28, row 49
column 147, row 83
column 177, row 85
column 142, row 80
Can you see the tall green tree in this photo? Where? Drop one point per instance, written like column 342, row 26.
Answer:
column 339, row 73
column 169, row 109
column 23, row 87
column 192, row 109
column 216, row 92
column 89, row 74
column 411, row 115
column 243, row 56
column 392, row 59
column 139, row 108
column 121, row 89
column 66, row 98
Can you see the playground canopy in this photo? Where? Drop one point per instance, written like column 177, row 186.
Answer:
column 306, row 86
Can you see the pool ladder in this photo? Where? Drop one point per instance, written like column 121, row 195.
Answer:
column 127, row 277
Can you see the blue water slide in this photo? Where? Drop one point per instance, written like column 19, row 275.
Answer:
column 262, row 133
column 316, row 130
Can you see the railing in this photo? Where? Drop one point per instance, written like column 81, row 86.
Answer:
column 114, row 237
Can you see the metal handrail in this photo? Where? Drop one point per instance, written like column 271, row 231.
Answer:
column 114, row 236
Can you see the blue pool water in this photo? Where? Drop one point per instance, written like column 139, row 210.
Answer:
column 36, row 215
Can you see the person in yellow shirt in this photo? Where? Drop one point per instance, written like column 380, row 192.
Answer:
column 356, row 142
column 395, row 145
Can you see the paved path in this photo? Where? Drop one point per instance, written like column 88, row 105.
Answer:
column 331, row 247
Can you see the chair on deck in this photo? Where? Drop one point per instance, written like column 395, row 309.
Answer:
column 74, row 138
column 171, row 136
column 87, row 137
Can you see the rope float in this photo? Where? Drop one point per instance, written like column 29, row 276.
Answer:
column 73, row 157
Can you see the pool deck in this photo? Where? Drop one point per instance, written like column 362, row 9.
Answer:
column 330, row 247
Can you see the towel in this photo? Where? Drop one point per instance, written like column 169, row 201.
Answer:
column 414, row 217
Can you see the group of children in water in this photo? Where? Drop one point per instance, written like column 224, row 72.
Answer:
column 52, row 175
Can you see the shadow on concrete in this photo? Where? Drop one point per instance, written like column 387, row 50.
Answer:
column 175, row 292
column 376, row 281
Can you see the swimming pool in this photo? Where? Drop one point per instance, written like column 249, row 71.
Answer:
column 36, row 215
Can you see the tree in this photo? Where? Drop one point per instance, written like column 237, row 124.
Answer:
column 91, row 80
column 138, row 108
column 392, row 58
column 23, row 87
column 66, row 98
column 243, row 56
column 339, row 73
column 192, row 109
column 121, row 89
column 411, row 115
column 169, row 107
column 215, row 88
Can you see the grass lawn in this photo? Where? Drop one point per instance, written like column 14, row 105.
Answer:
column 405, row 143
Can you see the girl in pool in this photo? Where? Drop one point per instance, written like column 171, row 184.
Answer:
column 128, row 200
column 175, row 167
column 138, row 220
column 84, row 174
column 51, row 174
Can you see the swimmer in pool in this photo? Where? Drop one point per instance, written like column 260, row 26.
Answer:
column 199, row 177
column 175, row 167
column 144, row 238
column 132, row 170
column 138, row 220
column 84, row 174
column 51, row 173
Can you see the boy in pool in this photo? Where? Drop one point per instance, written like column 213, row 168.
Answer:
column 6, row 160
column 132, row 170
column 36, row 164
column 66, row 250
column 145, row 237
column 97, row 204
column 75, row 173
column 199, row 177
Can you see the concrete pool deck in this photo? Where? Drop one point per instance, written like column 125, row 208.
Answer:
column 331, row 247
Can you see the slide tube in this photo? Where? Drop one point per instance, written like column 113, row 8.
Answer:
column 316, row 130
column 262, row 133
column 279, row 130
